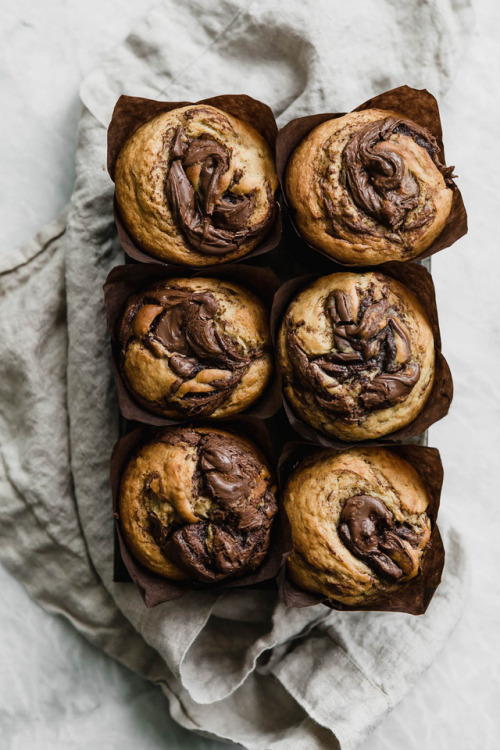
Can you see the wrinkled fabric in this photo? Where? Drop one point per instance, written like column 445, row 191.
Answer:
column 240, row 666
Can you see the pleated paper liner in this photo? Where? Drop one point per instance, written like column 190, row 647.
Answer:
column 417, row 105
column 419, row 281
column 292, row 258
column 131, row 112
column 124, row 281
column 412, row 597
column 156, row 589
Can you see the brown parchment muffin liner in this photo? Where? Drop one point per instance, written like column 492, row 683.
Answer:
column 131, row 112
column 417, row 105
column 123, row 281
column 414, row 597
column 154, row 588
column 419, row 281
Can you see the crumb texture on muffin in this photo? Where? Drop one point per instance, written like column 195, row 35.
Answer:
column 357, row 355
column 359, row 524
column 198, row 504
column 196, row 347
column 369, row 187
column 196, row 186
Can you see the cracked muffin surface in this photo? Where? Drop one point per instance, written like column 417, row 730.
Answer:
column 196, row 186
column 369, row 187
column 197, row 347
column 359, row 524
column 356, row 352
column 197, row 503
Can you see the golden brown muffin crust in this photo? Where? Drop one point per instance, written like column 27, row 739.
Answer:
column 357, row 355
column 368, row 187
column 197, row 503
column 359, row 524
column 195, row 347
column 196, row 186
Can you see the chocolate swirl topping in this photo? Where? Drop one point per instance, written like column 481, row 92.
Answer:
column 379, row 181
column 181, row 326
column 214, row 220
column 232, row 536
column 372, row 355
column 368, row 529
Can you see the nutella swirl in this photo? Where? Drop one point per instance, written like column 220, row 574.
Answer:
column 182, row 327
column 370, row 364
column 230, row 536
column 368, row 529
column 379, row 181
column 214, row 219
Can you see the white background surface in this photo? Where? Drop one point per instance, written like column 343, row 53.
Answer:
column 57, row 691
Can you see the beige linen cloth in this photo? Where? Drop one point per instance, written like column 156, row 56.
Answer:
column 240, row 666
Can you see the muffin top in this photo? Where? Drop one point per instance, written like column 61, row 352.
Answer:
column 196, row 186
column 357, row 355
column 369, row 187
column 359, row 524
column 195, row 347
column 197, row 503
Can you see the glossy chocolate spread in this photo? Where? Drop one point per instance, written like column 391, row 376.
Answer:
column 233, row 537
column 180, row 325
column 214, row 220
column 379, row 181
column 372, row 351
column 368, row 529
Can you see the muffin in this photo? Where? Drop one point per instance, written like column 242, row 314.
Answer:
column 196, row 186
column 356, row 352
column 369, row 187
column 197, row 347
column 197, row 503
column 359, row 524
